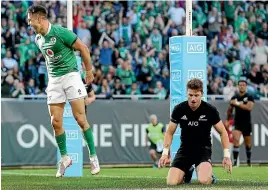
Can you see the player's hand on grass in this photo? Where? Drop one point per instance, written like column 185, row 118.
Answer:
column 89, row 77
column 227, row 164
column 163, row 161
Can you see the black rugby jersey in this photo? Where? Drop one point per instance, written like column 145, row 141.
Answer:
column 242, row 116
column 195, row 125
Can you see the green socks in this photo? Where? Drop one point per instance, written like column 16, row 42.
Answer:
column 61, row 141
column 88, row 136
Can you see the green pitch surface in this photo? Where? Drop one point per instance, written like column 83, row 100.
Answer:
column 135, row 178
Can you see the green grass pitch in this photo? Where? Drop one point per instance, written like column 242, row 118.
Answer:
column 130, row 178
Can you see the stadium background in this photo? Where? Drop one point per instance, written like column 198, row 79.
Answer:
column 133, row 58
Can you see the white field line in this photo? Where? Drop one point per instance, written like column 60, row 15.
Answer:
column 99, row 176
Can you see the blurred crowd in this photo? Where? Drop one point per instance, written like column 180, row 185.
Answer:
column 128, row 41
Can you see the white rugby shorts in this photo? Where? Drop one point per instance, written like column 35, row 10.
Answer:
column 67, row 87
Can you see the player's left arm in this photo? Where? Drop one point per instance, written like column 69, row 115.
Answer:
column 224, row 135
column 71, row 40
column 80, row 46
column 218, row 125
column 249, row 106
column 227, row 163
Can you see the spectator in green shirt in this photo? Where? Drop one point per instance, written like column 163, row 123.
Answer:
column 134, row 90
column 156, row 39
column 160, row 90
column 125, row 73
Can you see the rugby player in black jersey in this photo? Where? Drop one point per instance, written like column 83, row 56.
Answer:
column 243, row 104
column 196, row 118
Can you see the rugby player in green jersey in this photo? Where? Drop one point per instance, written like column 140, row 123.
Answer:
column 57, row 45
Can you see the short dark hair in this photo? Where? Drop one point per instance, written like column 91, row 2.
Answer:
column 195, row 84
column 38, row 9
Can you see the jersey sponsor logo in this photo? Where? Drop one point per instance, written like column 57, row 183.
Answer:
column 193, row 123
column 53, row 40
column 49, row 52
column 245, row 99
column 79, row 91
column 202, row 118
column 56, row 58
column 184, row 117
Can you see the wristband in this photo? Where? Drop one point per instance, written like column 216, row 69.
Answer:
column 238, row 103
column 165, row 151
column 226, row 153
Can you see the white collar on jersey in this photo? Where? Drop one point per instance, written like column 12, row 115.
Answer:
column 49, row 28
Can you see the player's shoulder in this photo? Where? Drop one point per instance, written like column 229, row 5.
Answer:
column 249, row 97
column 235, row 96
column 208, row 106
column 59, row 29
column 181, row 105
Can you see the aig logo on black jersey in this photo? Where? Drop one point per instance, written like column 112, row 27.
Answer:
column 193, row 123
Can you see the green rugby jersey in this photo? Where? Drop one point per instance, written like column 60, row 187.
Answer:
column 56, row 46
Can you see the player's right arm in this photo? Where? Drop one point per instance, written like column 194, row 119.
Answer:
column 218, row 125
column 169, row 135
column 172, row 126
column 80, row 46
column 167, row 142
column 71, row 40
